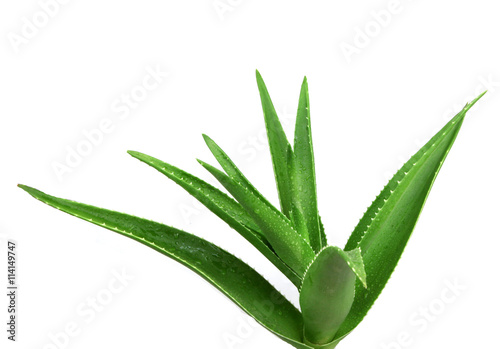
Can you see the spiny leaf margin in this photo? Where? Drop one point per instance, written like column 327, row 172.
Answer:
column 224, row 207
column 382, row 252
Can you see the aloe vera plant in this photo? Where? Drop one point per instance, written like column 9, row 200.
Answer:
column 337, row 286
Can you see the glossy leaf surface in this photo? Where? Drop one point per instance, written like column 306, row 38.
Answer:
column 278, row 145
column 385, row 228
column 224, row 207
column 327, row 292
column 231, row 169
column 242, row 284
column 288, row 244
column 304, row 171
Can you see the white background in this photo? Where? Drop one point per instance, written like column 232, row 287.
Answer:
column 371, row 110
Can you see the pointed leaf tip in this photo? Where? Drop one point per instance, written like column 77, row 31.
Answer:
column 474, row 101
column 28, row 189
column 278, row 145
column 355, row 261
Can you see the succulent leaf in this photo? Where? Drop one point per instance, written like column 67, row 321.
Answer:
column 297, row 215
column 278, row 145
column 327, row 292
column 304, row 172
column 239, row 282
column 230, row 168
column 385, row 228
column 215, row 200
column 278, row 229
column 225, row 207
column 324, row 241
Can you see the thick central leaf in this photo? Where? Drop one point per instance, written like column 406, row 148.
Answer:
column 327, row 292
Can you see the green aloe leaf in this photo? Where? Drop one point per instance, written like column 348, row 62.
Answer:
column 230, row 168
column 322, row 232
column 297, row 215
column 215, row 200
column 327, row 292
column 224, row 207
column 288, row 244
column 385, row 228
column 304, row 172
column 239, row 282
column 278, row 145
